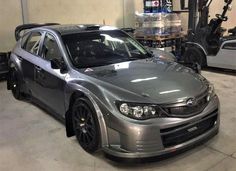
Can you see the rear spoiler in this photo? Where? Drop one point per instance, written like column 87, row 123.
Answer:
column 128, row 30
column 23, row 27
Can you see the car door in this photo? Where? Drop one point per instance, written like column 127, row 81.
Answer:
column 28, row 57
column 50, row 82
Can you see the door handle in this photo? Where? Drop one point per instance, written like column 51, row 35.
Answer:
column 37, row 68
column 39, row 73
column 20, row 58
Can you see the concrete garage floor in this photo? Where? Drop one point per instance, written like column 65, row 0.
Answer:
column 31, row 139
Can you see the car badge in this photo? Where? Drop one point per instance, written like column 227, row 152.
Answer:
column 192, row 129
column 191, row 102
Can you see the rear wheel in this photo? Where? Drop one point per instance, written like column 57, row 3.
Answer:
column 195, row 55
column 85, row 124
column 15, row 84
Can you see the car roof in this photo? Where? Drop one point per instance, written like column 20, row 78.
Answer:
column 80, row 28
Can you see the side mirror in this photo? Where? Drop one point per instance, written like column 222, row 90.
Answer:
column 163, row 54
column 55, row 64
column 58, row 64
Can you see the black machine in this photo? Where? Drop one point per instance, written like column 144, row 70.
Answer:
column 4, row 64
column 204, row 38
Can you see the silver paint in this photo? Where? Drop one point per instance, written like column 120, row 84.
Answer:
column 152, row 81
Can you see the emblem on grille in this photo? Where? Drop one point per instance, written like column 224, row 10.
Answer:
column 191, row 102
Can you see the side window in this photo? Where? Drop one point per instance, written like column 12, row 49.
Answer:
column 23, row 40
column 50, row 48
column 230, row 46
column 32, row 45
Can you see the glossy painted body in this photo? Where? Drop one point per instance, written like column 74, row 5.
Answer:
column 149, row 81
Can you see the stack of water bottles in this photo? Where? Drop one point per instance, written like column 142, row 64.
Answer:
column 158, row 6
column 157, row 19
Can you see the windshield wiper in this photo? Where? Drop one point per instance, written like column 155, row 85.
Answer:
column 141, row 57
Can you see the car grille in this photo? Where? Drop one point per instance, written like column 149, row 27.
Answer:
column 186, row 111
column 171, row 137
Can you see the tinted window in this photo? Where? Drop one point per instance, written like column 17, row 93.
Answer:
column 50, row 48
column 230, row 46
column 100, row 48
column 33, row 43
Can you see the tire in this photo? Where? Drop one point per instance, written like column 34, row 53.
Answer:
column 15, row 84
column 195, row 55
column 85, row 124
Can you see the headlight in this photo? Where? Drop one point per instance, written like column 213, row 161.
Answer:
column 138, row 111
column 211, row 92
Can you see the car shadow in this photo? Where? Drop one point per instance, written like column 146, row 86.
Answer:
column 147, row 163
column 220, row 71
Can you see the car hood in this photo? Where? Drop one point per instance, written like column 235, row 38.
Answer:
column 160, row 81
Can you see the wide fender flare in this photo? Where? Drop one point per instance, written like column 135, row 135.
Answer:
column 14, row 63
column 73, row 88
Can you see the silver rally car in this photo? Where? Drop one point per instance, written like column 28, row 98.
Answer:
column 111, row 92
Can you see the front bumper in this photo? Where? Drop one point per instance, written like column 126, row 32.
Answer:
column 156, row 137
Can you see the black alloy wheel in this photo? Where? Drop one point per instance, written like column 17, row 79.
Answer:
column 85, row 125
column 15, row 84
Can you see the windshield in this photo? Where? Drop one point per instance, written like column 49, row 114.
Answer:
column 100, row 48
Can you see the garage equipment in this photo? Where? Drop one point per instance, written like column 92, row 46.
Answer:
column 205, row 42
column 158, row 30
column 232, row 31
column 4, row 64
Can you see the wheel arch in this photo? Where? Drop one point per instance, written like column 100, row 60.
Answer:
column 68, row 116
column 13, row 65
column 197, row 45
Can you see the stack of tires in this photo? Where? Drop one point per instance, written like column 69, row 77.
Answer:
column 4, row 65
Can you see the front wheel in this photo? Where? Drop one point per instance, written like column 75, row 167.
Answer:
column 86, row 125
column 195, row 55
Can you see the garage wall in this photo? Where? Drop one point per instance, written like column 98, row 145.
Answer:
column 10, row 17
column 76, row 11
column 114, row 12
column 129, row 10
column 95, row 11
